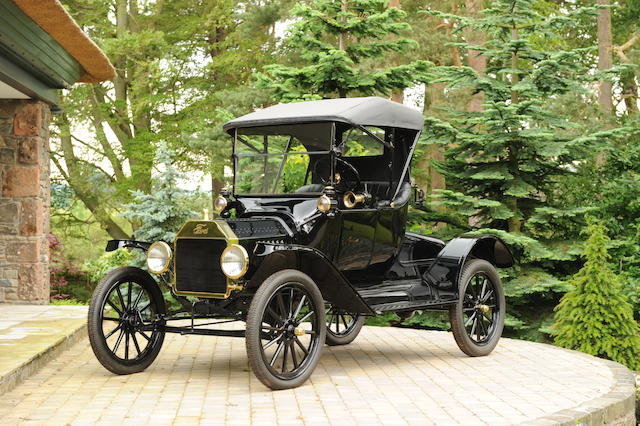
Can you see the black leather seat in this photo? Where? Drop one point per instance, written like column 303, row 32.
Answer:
column 403, row 196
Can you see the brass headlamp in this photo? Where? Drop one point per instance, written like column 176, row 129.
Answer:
column 327, row 202
column 222, row 203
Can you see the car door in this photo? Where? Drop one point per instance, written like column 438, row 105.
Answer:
column 358, row 230
column 390, row 226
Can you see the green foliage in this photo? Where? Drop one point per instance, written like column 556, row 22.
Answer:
column 160, row 213
column 502, row 163
column 294, row 170
column 595, row 317
column 342, row 45
column 62, row 270
column 382, row 320
column 534, row 281
column 68, row 302
column 429, row 320
column 521, row 164
column 96, row 269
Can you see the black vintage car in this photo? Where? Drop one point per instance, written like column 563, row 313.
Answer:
column 310, row 241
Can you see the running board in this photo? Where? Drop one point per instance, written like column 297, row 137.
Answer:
column 405, row 295
column 411, row 306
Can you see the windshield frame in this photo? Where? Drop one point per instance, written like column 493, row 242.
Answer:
column 235, row 158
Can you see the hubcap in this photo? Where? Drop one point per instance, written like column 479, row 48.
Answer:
column 483, row 308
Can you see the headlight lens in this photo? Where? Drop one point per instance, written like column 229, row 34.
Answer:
column 234, row 261
column 324, row 203
column 220, row 203
column 158, row 257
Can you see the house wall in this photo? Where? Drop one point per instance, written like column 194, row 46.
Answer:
column 24, row 201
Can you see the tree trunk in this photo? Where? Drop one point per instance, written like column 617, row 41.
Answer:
column 605, row 60
column 398, row 94
column 630, row 93
column 629, row 84
column 514, row 223
column 432, row 180
column 476, row 61
column 77, row 181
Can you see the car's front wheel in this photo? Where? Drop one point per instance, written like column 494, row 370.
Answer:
column 477, row 319
column 285, row 329
column 125, row 320
column 342, row 327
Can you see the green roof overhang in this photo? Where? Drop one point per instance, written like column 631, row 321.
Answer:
column 30, row 59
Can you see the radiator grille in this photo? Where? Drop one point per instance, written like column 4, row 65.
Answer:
column 198, row 266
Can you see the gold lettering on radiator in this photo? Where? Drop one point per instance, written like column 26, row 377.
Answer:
column 201, row 229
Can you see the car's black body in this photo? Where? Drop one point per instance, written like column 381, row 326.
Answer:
column 362, row 259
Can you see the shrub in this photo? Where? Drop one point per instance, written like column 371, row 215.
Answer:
column 62, row 270
column 98, row 268
column 595, row 316
column 163, row 211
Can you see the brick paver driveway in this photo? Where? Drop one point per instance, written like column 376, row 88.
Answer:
column 388, row 376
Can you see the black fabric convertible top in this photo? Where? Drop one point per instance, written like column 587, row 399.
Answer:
column 369, row 111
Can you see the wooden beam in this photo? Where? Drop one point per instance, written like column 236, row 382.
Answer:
column 25, row 82
column 30, row 47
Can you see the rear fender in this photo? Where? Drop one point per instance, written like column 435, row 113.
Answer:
column 269, row 258
column 445, row 272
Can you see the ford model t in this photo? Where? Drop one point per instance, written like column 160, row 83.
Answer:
column 310, row 240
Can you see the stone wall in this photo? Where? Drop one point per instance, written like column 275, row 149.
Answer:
column 24, row 201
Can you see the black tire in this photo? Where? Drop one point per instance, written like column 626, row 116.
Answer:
column 276, row 322
column 477, row 319
column 342, row 327
column 130, row 314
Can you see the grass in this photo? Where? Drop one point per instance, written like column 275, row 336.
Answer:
column 65, row 302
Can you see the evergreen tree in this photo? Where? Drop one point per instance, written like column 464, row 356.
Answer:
column 343, row 44
column 507, row 158
column 595, row 317
column 502, row 164
column 162, row 212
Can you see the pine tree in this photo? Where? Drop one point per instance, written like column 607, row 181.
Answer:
column 595, row 317
column 502, row 163
column 162, row 212
column 512, row 152
column 342, row 44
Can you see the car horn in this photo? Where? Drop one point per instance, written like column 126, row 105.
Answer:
column 351, row 199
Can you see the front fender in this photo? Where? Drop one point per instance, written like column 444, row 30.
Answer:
column 445, row 272
column 269, row 258
column 116, row 244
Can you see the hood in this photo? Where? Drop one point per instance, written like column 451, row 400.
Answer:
column 235, row 230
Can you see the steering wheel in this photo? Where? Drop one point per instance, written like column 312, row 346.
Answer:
column 343, row 167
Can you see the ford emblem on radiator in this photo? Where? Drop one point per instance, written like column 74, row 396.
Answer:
column 201, row 229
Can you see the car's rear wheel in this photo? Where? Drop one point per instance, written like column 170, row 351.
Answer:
column 342, row 327
column 285, row 329
column 477, row 319
column 124, row 323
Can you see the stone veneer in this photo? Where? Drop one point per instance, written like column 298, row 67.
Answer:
column 24, row 201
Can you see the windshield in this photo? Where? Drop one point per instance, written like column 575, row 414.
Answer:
column 282, row 159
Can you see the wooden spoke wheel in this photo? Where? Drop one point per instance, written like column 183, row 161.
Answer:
column 477, row 319
column 124, row 326
column 342, row 327
column 285, row 329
